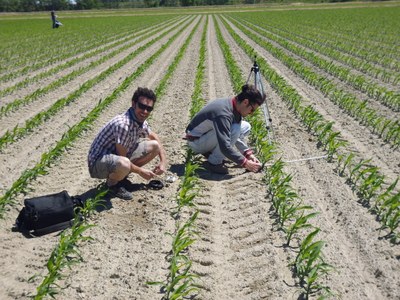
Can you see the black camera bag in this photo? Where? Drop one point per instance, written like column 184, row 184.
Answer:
column 45, row 214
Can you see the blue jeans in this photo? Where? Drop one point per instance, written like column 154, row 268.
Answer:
column 209, row 143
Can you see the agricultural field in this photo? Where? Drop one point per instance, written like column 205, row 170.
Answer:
column 321, row 220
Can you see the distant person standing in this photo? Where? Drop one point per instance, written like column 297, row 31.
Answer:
column 54, row 20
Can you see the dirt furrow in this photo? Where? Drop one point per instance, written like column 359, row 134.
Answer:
column 360, row 139
column 217, row 83
column 235, row 259
column 49, row 133
column 346, row 226
column 36, row 71
column 239, row 253
column 44, row 102
column 130, row 242
column 44, row 82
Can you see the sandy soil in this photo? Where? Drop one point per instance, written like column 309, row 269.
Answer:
column 239, row 253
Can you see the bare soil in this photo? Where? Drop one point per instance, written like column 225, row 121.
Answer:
column 239, row 254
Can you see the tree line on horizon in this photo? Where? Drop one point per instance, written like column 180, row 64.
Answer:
column 48, row 5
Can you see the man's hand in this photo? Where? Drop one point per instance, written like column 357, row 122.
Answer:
column 252, row 166
column 253, row 158
column 250, row 156
column 146, row 174
column 159, row 169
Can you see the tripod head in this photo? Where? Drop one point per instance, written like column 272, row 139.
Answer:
column 255, row 67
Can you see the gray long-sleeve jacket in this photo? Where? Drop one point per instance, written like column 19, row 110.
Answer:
column 218, row 115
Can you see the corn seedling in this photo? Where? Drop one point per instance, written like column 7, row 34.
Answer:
column 278, row 182
column 310, row 266
column 378, row 205
column 68, row 138
column 188, row 190
column 67, row 253
column 300, row 222
column 180, row 282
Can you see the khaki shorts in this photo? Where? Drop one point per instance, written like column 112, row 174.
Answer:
column 108, row 163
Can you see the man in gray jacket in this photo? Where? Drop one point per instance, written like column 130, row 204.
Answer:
column 218, row 127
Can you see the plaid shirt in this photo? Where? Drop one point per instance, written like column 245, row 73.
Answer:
column 122, row 129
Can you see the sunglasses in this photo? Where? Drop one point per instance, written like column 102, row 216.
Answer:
column 252, row 107
column 145, row 107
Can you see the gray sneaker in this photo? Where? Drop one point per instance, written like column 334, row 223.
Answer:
column 120, row 192
column 219, row 169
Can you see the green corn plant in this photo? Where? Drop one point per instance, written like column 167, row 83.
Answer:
column 67, row 253
column 331, row 140
column 390, row 212
column 310, row 117
column 303, row 259
column 312, row 286
column 274, row 171
column 334, row 145
column 180, row 282
column 347, row 160
column 280, row 189
column 288, row 207
column 301, row 222
column 394, row 132
column 310, row 266
column 361, row 175
column 357, row 167
column 384, row 126
column 188, row 189
column 381, row 199
column 326, row 129
column 369, row 187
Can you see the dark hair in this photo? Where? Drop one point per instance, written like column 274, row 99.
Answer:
column 250, row 92
column 143, row 92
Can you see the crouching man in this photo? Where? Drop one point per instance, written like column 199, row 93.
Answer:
column 217, row 131
column 125, row 144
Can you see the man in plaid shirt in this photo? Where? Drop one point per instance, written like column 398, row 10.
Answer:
column 125, row 144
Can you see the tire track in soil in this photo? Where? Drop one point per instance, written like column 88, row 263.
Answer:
column 132, row 233
column 129, row 233
column 175, row 99
column 217, row 83
column 236, row 257
column 353, row 244
column 45, row 136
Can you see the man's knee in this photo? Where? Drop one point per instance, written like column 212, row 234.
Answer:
column 153, row 147
column 123, row 165
column 245, row 128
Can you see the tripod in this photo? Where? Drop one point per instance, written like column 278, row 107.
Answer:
column 259, row 85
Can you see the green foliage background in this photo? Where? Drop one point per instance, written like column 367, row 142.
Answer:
column 48, row 5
